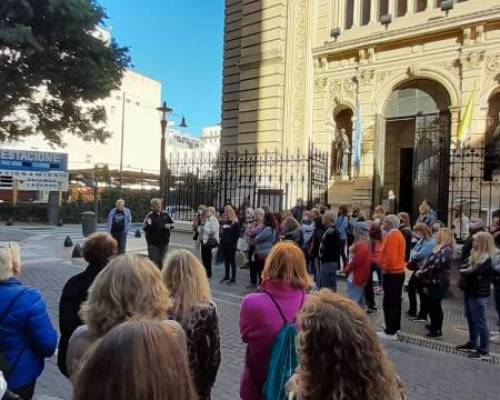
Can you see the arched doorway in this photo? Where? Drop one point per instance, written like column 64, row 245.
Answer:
column 343, row 120
column 416, row 145
column 492, row 137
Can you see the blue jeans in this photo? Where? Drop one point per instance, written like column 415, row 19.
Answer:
column 496, row 292
column 475, row 311
column 356, row 293
column 328, row 275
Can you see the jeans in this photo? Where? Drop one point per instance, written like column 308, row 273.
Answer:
column 356, row 293
column 475, row 311
column 393, row 289
column 328, row 275
column 229, row 254
column 121, row 239
column 157, row 254
column 206, row 258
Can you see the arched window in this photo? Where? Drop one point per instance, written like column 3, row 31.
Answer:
column 365, row 11
column 349, row 14
column 383, row 8
column 401, row 7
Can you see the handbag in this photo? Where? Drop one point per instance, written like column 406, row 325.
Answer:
column 211, row 242
column 242, row 244
column 412, row 265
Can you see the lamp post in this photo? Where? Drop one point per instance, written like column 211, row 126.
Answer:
column 164, row 110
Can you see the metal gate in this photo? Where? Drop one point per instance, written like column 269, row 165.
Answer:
column 249, row 178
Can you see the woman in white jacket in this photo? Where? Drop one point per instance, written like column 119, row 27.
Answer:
column 209, row 238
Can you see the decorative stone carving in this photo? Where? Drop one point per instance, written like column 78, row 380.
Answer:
column 479, row 34
column 367, row 76
column 493, row 63
column 349, row 88
column 320, row 84
column 473, row 59
column 454, row 67
column 467, row 36
column 324, row 64
column 371, row 55
column 413, row 70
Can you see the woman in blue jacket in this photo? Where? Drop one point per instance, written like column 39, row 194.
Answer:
column 27, row 336
column 418, row 256
column 264, row 242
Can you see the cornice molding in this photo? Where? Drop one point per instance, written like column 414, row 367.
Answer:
column 433, row 26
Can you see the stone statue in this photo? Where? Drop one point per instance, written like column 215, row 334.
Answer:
column 341, row 151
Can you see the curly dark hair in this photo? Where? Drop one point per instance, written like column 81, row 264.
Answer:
column 98, row 249
column 341, row 355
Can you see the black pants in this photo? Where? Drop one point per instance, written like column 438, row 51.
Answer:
column 206, row 258
column 413, row 288
column 121, row 239
column 256, row 270
column 156, row 253
column 393, row 289
column 229, row 254
column 25, row 392
column 432, row 297
column 369, row 293
column 343, row 253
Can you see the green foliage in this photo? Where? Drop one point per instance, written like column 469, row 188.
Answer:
column 53, row 69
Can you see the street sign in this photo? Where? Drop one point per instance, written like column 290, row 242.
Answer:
column 33, row 170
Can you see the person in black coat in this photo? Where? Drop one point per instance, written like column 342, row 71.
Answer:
column 230, row 233
column 157, row 226
column 97, row 251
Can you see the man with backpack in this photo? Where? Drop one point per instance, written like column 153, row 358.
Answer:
column 119, row 221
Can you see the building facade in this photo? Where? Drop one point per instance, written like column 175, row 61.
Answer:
column 380, row 84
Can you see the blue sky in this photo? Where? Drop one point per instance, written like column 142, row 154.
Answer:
column 178, row 42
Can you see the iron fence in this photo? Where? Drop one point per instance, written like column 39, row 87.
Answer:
column 248, row 178
column 474, row 186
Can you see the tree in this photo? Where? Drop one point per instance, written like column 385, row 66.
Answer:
column 54, row 69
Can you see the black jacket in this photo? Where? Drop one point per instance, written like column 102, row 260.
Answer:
column 319, row 230
column 73, row 295
column 156, row 233
column 331, row 245
column 408, row 236
column 229, row 235
column 477, row 282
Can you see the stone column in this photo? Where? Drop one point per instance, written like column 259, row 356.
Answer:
column 411, row 7
column 392, row 9
column 430, row 5
column 373, row 12
column 356, row 13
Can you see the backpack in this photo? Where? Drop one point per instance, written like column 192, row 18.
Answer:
column 284, row 360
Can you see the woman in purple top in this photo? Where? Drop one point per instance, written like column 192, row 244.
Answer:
column 285, row 279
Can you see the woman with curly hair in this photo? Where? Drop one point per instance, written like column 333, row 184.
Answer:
column 128, row 287
column 340, row 354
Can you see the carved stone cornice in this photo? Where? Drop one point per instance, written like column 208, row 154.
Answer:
column 424, row 29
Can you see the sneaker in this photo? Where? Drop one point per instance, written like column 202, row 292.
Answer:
column 434, row 335
column 495, row 338
column 418, row 319
column 480, row 355
column 384, row 336
column 224, row 280
column 466, row 347
column 232, row 281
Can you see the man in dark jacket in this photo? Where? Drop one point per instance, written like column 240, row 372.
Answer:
column 329, row 252
column 119, row 221
column 157, row 226
column 97, row 250
column 298, row 210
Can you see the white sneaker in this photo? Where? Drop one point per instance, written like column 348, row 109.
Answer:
column 495, row 338
column 384, row 336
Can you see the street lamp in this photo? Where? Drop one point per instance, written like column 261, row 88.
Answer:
column 164, row 110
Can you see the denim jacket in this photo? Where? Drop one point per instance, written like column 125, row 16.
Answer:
column 422, row 250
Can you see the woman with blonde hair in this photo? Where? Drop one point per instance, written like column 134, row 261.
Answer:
column 284, row 284
column 136, row 360
column 209, row 237
column 434, row 278
column 230, row 233
column 475, row 281
column 27, row 336
column 129, row 286
column 341, row 357
column 193, row 308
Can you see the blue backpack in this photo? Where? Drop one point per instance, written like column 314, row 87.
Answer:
column 284, row 360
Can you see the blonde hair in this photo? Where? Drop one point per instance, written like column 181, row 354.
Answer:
column 130, row 285
column 186, row 280
column 446, row 238
column 231, row 214
column 485, row 248
column 338, row 346
column 10, row 258
column 286, row 262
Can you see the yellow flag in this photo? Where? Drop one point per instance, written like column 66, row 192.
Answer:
column 466, row 122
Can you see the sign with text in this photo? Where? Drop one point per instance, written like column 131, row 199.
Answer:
column 33, row 170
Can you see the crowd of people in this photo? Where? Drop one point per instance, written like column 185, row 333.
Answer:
column 136, row 327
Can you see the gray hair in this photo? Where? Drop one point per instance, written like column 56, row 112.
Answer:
column 250, row 210
column 155, row 201
column 259, row 211
column 120, row 201
column 10, row 256
column 392, row 220
column 330, row 216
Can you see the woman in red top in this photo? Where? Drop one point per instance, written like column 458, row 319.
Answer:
column 375, row 234
column 359, row 269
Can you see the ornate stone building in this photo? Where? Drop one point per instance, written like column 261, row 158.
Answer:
column 396, row 75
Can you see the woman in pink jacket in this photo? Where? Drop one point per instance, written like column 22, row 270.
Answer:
column 285, row 279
